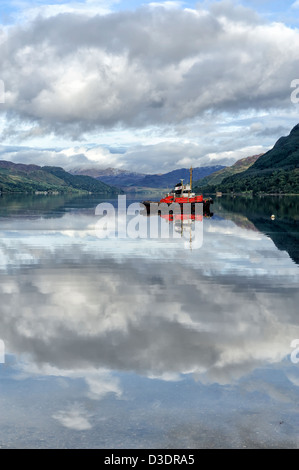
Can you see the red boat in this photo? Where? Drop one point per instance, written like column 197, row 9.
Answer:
column 181, row 194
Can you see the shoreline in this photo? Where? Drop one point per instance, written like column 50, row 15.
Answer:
column 253, row 194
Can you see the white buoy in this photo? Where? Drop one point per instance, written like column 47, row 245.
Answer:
column 272, row 217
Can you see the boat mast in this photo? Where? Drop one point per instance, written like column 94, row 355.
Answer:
column 191, row 169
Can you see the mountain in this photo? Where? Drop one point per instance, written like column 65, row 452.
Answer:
column 112, row 176
column 126, row 179
column 81, row 182
column 218, row 176
column 168, row 180
column 284, row 155
column 275, row 172
column 19, row 178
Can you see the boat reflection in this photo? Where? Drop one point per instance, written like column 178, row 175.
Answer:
column 188, row 226
column 185, row 222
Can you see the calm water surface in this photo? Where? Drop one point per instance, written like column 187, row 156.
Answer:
column 148, row 343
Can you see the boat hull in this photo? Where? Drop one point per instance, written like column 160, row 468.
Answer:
column 153, row 207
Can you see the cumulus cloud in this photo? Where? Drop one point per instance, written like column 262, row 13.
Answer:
column 154, row 65
column 154, row 158
column 68, row 158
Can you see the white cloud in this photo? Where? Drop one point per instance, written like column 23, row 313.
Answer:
column 155, row 79
column 166, row 5
column 157, row 158
column 102, row 384
column 141, row 68
column 28, row 11
column 75, row 417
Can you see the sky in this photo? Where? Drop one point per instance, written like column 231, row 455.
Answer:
column 146, row 86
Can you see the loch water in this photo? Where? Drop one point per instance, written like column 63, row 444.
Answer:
column 171, row 343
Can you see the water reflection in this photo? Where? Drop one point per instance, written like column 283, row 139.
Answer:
column 148, row 327
column 283, row 228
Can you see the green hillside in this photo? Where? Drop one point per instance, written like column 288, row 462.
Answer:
column 218, row 176
column 19, row 178
column 80, row 182
column 284, row 155
column 275, row 172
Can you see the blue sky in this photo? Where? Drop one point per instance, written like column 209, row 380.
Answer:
column 173, row 84
column 275, row 10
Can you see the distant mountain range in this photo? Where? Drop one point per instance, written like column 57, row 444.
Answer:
column 217, row 177
column 112, row 176
column 130, row 180
column 275, row 172
column 19, row 178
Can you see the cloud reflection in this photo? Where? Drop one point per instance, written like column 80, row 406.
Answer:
column 75, row 417
column 92, row 307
